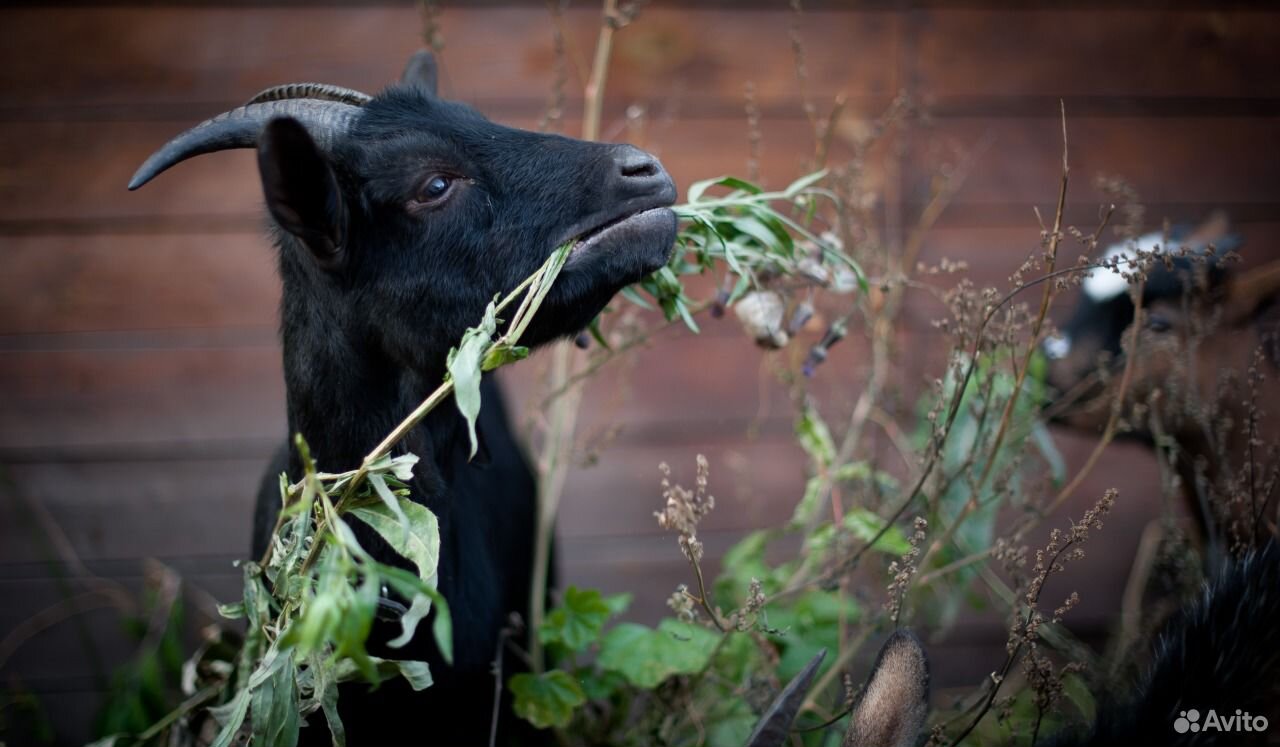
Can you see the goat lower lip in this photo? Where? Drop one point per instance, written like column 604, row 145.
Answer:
column 590, row 239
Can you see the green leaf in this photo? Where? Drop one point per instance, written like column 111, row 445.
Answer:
column 598, row 685
column 274, row 705
column 230, row 717
column 464, row 364
column 392, row 504
column 683, row 309
column 410, row 585
column 329, row 704
column 501, row 355
column 1077, row 691
column 618, row 603
column 420, row 545
column 546, row 700
column 803, row 183
column 757, row 230
column 631, row 294
column 417, row 673
column 646, row 656
column 697, row 189
column 809, row 504
column 864, row 525
column 577, row 622
column 1043, row 440
column 815, row 438
column 402, row 466
column 233, row 611
column 597, row 334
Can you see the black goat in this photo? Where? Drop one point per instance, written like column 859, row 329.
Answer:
column 399, row 217
column 1213, row 678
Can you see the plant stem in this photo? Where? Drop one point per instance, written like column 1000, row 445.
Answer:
column 594, row 92
column 553, row 466
column 537, row 285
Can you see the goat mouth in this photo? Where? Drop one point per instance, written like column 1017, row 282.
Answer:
column 641, row 226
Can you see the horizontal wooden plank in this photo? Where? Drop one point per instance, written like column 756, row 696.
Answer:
column 135, row 57
column 134, row 397
column 91, row 283
column 1187, row 162
column 118, row 511
column 191, row 509
column 1180, row 161
column 222, row 192
column 130, row 510
column 203, row 397
column 970, row 53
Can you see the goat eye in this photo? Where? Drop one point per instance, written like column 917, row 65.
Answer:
column 1158, row 323
column 435, row 188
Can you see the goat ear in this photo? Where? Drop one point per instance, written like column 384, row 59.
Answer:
column 301, row 189
column 1248, row 291
column 895, row 702
column 421, row 71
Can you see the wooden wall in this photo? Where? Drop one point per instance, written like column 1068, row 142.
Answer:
column 140, row 385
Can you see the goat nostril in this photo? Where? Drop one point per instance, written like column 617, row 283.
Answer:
column 639, row 169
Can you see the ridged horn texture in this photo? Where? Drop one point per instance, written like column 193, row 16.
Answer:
column 325, row 121
column 319, row 91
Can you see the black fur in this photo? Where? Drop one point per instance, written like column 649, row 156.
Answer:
column 379, row 281
column 1221, row 652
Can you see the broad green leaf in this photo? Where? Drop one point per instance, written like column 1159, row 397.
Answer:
column 731, row 725
column 420, row 546
column 577, row 622
column 464, row 364
column 546, row 700
column 646, row 656
column 599, row 685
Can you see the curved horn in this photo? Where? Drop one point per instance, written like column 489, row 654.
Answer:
column 320, row 91
column 325, row 121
